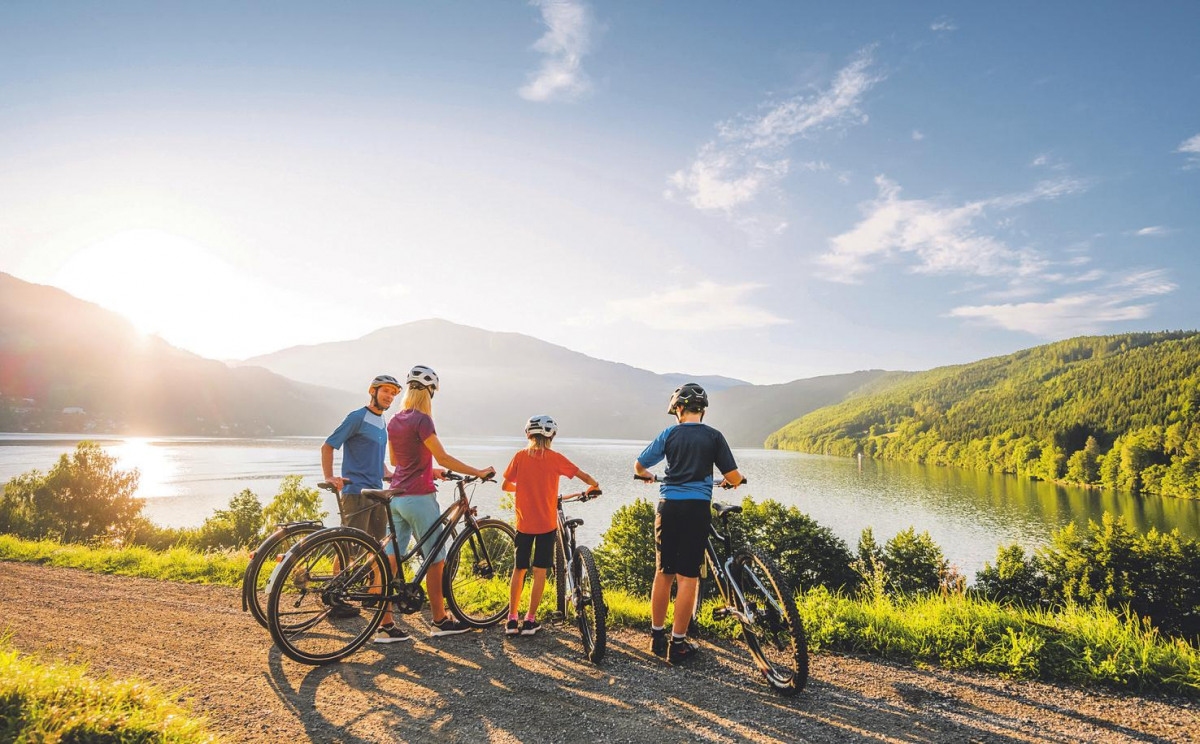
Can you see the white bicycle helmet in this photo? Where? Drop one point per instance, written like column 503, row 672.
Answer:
column 423, row 376
column 543, row 425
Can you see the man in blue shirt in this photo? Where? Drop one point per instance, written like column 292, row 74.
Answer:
column 363, row 435
column 692, row 449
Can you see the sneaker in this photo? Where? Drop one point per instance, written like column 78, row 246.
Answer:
column 448, row 626
column 681, row 650
column 391, row 634
column 529, row 627
column 342, row 611
column 658, row 643
column 512, row 627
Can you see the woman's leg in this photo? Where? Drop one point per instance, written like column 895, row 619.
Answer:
column 433, row 585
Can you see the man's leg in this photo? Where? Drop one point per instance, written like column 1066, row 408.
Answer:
column 660, row 598
column 685, row 600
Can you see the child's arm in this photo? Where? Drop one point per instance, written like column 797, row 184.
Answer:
column 587, row 479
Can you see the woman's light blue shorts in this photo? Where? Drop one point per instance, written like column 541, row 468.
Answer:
column 413, row 516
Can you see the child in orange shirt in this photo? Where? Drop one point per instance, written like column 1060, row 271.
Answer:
column 533, row 474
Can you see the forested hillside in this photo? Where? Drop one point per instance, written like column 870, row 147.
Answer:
column 1116, row 411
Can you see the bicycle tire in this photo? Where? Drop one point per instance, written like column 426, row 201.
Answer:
column 343, row 552
column 478, row 572
column 776, row 625
column 269, row 553
column 591, row 613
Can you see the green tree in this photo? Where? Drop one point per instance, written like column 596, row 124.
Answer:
column 626, row 551
column 1084, row 465
column 239, row 526
column 83, row 497
column 294, row 503
column 913, row 563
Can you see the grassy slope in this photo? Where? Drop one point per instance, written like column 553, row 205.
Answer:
column 56, row 702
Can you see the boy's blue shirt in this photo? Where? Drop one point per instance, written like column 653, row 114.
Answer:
column 365, row 439
column 691, row 450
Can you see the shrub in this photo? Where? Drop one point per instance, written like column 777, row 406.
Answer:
column 293, row 503
column 83, row 497
column 239, row 526
column 626, row 551
column 808, row 554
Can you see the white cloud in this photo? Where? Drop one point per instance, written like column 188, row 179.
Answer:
column 703, row 307
column 1077, row 313
column 938, row 239
column 917, row 135
column 1191, row 148
column 567, row 39
column 747, row 155
column 1153, row 231
column 943, row 24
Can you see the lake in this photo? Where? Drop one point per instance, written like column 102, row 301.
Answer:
column 969, row 514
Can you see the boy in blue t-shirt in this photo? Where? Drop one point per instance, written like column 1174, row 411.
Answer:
column 692, row 449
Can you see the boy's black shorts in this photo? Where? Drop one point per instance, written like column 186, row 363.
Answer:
column 680, row 532
column 541, row 546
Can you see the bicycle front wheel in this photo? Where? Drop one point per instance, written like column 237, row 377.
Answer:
column 266, row 556
column 478, row 572
column 771, row 623
column 591, row 614
column 323, row 600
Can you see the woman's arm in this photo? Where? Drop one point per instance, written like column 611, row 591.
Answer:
column 445, row 460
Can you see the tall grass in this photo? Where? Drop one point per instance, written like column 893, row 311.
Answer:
column 177, row 564
column 57, row 702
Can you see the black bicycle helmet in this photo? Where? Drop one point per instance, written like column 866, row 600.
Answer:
column 690, row 397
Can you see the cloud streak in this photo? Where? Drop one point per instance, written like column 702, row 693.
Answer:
column 748, row 154
column 568, row 37
column 706, row 306
column 1190, row 148
column 935, row 238
column 1076, row 313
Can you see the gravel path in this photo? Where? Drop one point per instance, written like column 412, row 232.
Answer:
column 482, row 687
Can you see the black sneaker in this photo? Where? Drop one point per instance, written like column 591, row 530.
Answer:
column 529, row 627
column 391, row 634
column 512, row 627
column 448, row 626
column 658, row 642
column 681, row 650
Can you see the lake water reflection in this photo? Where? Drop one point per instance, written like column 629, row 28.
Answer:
column 968, row 513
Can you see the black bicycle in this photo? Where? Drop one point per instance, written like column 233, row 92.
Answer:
column 342, row 568
column 577, row 582
column 271, row 551
column 751, row 590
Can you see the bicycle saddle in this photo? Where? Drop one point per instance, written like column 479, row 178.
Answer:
column 379, row 495
column 574, row 523
column 722, row 509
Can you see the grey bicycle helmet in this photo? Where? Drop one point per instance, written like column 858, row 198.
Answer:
column 384, row 380
column 690, row 397
column 543, row 425
column 423, row 376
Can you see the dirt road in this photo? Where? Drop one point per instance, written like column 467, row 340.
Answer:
column 482, row 687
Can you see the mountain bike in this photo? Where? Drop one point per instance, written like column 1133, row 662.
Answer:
column 343, row 567
column 270, row 552
column 577, row 582
column 752, row 591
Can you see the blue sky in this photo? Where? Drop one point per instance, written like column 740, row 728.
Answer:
column 767, row 190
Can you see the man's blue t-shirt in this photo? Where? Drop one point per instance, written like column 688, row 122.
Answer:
column 365, row 439
column 691, row 450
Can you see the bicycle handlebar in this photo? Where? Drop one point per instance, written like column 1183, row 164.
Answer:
column 655, row 479
column 451, row 476
column 582, row 496
column 326, row 485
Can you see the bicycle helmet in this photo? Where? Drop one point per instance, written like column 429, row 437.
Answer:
column 543, row 425
column 384, row 380
column 424, row 377
column 689, row 396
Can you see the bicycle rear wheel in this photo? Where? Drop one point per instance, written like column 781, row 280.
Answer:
column 266, row 556
column 771, row 623
column 478, row 571
column 329, row 572
column 591, row 614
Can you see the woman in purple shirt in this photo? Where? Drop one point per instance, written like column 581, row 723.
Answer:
column 414, row 445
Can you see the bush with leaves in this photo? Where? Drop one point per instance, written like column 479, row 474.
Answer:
column 293, row 503
column 907, row 564
column 626, row 551
column 83, row 497
column 807, row 553
column 239, row 526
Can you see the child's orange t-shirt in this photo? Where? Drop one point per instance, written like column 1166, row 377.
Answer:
column 536, row 473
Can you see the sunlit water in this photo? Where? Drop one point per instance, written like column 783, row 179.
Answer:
column 969, row 514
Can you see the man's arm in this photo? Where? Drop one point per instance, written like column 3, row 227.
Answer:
column 327, row 467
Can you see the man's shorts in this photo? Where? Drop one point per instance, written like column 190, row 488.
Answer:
column 361, row 513
column 541, row 546
column 413, row 516
column 680, row 533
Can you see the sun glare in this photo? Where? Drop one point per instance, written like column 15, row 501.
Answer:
column 155, row 467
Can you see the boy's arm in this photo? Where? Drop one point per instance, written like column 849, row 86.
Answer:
column 641, row 471
column 587, row 479
column 725, row 462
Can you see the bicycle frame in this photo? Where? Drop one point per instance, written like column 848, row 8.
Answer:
column 722, row 574
column 566, row 543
